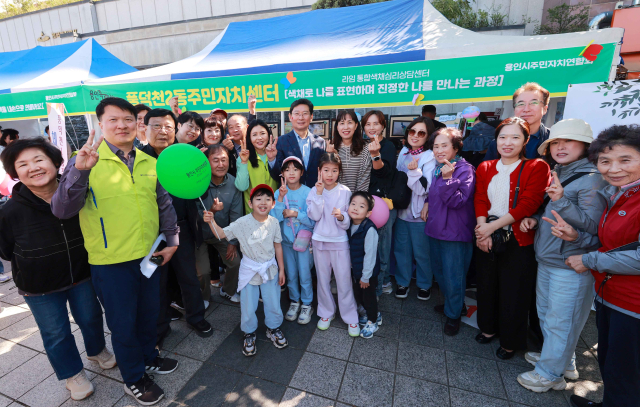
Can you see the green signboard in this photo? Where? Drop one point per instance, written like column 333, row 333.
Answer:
column 469, row 79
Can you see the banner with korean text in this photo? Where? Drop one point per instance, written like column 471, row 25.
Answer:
column 57, row 130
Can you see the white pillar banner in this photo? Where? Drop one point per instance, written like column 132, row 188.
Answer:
column 58, row 131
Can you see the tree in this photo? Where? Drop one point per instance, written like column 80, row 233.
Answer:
column 565, row 19
column 342, row 3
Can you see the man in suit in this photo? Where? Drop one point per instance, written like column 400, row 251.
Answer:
column 300, row 143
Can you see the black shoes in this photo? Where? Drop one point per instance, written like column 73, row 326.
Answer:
column 202, row 329
column 503, row 354
column 249, row 345
column 424, row 295
column 440, row 310
column 402, row 292
column 452, row 327
column 577, row 401
column 145, row 391
column 481, row 339
column 175, row 314
column 162, row 366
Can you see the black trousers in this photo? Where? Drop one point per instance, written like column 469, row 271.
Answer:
column 214, row 261
column 618, row 356
column 367, row 297
column 183, row 264
column 506, row 288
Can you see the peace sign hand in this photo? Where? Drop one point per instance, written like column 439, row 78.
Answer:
column 271, row 149
column 555, row 190
column 228, row 143
column 374, row 146
column 283, row 189
column 88, row 156
column 252, row 104
column 413, row 164
column 447, row 169
column 244, row 153
column 561, row 229
column 320, row 183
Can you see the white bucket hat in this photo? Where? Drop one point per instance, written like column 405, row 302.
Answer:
column 569, row 129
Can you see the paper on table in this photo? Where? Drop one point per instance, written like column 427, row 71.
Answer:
column 146, row 267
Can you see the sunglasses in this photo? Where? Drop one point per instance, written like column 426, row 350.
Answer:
column 421, row 133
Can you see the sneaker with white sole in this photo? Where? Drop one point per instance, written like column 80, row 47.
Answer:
column 387, row 288
column 249, row 344
column 233, row 298
column 534, row 357
column 324, row 323
column 177, row 306
column 79, row 386
column 364, row 320
column 277, row 337
column 402, row 292
column 162, row 366
column 145, row 391
column 5, row 277
column 368, row 330
column 306, row 311
column 354, row 330
column 105, row 359
column 536, row 383
column 292, row 314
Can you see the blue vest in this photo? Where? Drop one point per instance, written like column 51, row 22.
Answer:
column 356, row 247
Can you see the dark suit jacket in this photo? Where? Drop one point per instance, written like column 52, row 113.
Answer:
column 288, row 146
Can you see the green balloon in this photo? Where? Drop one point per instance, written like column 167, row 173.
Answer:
column 184, row 171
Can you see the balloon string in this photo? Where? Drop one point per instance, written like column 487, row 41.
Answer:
column 211, row 223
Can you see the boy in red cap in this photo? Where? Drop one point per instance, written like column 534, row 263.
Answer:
column 259, row 237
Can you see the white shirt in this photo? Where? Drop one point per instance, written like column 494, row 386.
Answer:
column 498, row 190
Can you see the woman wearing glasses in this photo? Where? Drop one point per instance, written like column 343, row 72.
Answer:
column 190, row 126
column 416, row 159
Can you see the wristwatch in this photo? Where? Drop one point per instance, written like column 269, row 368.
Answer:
column 376, row 158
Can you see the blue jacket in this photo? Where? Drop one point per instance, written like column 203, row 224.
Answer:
column 531, row 148
column 288, row 146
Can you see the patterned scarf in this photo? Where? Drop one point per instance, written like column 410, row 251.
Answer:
column 415, row 152
column 438, row 170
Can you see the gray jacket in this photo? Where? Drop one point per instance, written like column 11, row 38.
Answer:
column 229, row 195
column 581, row 207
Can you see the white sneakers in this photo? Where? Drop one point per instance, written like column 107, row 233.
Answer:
column 534, row 382
column 292, row 314
column 306, row 311
column 354, row 330
column 534, row 358
column 105, row 359
column 80, row 386
column 324, row 323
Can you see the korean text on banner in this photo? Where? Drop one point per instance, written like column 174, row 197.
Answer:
column 58, row 131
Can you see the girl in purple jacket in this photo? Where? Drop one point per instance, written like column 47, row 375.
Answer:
column 451, row 223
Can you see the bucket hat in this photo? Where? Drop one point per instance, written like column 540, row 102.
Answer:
column 569, row 129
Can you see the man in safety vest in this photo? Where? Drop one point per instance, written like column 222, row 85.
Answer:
column 122, row 208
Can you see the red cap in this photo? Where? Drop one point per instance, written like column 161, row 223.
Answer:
column 260, row 186
column 218, row 110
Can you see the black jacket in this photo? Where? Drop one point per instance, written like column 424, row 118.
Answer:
column 46, row 253
column 388, row 182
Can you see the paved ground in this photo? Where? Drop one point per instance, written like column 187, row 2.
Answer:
column 409, row 362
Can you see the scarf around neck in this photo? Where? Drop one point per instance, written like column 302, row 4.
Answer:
column 438, row 171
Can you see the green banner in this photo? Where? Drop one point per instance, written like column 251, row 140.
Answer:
column 32, row 105
column 469, row 79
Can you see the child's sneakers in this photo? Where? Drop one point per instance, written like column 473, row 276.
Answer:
column 277, row 337
column 363, row 320
column 324, row 323
column 354, row 330
column 306, row 311
column 249, row 346
column 292, row 314
column 387, row 288
column 369, row 329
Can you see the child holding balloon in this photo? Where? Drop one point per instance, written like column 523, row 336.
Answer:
column 327, row 205
column 291, row 212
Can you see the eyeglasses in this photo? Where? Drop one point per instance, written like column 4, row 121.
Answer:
column 298, row 115
column 158, row 127
column 192, row 127
column 533, row 103
column 421, row 133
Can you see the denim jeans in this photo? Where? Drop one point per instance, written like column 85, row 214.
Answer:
column 385, row 237
column 564, row 300
column 298, row 268
column 50, row 313
column 450, row 262
column 249, row 300
column 411, row 243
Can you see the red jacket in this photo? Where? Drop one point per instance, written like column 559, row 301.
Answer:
column 620, row 225
column 533, row 182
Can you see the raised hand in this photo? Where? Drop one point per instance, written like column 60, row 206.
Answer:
column 555, row 190
column 228, row 143
column 283, row 189
column 374, row 146
column 337, row 214
column 252, row 104
column 244, row 153
column 217, row 206
column 528, row 224
column 88, row 156
column 320, row 183
column 447, row 169
column 413, row 164
column 560, row 228
column 173, row 104
column 271, row 149
column 330, row 148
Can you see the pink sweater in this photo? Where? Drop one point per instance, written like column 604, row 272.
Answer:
column 319, row 208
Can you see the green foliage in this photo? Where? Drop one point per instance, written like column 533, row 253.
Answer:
column 342, row 3
column 16, row 7
column 565, row 19
column 462, row 14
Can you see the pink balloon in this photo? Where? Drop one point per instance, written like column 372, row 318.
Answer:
column 380, row 214
column 12, row 182
column 4, row 185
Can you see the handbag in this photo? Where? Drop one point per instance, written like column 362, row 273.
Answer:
column 500, row 237
column 303, row 238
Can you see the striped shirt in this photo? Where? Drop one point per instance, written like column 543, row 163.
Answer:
column 356, row 171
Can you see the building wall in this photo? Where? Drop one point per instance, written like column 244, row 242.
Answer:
column 595, row 6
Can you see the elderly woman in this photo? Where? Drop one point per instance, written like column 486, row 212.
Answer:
column 450, row 223
column 563, row 297
column 615, row 265
column 50, row 264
